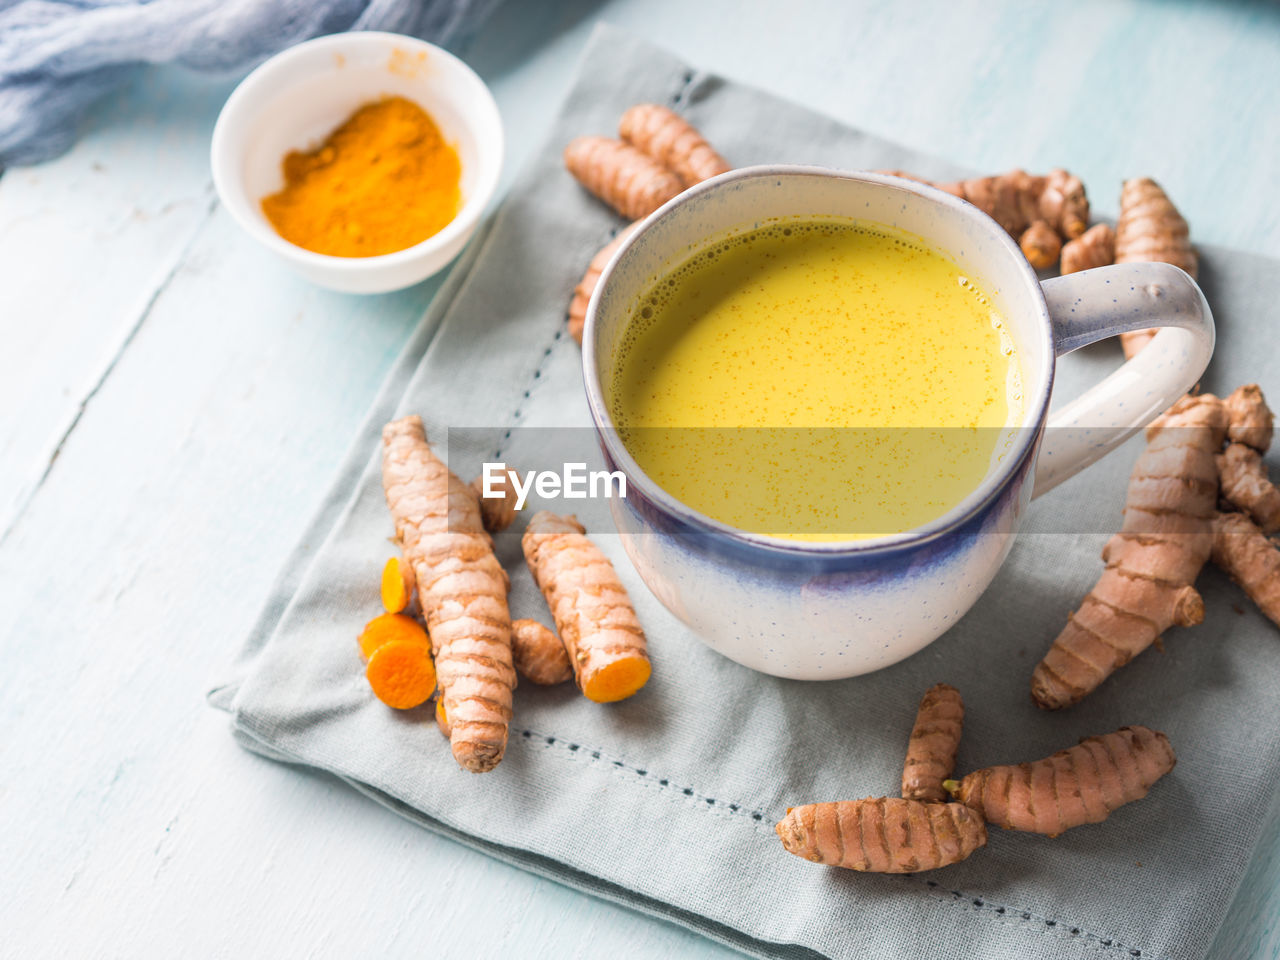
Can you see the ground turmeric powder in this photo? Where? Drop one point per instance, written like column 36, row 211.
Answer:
column 383, row 181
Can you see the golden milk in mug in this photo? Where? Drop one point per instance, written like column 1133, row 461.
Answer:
column 817, row 378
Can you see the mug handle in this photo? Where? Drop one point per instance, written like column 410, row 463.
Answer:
column 1105, row 302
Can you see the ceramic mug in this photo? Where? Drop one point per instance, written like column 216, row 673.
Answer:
column 828, row 610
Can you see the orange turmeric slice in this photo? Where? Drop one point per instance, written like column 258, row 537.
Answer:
column 397, row 585
column 442, row 718
column 388, row 627
column 401, row 673
column 617, row 680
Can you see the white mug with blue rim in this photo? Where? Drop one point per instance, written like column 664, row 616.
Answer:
column 826, row 610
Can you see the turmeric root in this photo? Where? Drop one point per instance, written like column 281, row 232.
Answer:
column 442, row 719
column 1082, row 784
column 496, row 513
column 462, row 590
column 1150, row 228
column 1096, row 247
column 620, row 175
column 539, row 655
column 397, row 585
column 672, row 141
column 1151, row 563
column 882, row 835
column 593, row 614
column 1016, row 199
column 388, row 627
column 1250, row 559
column 1063, row 203
column 931, row 751
column 1246, row 484
column 587, row 285
column 1041, row 245
column 1250, row 420
column 401, row 673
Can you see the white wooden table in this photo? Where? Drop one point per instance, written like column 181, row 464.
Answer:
column 173, row 404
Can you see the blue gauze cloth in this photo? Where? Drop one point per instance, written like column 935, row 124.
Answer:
column 58, row 57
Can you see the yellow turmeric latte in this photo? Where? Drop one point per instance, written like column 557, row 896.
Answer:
column 383, row 181
column 817, row 379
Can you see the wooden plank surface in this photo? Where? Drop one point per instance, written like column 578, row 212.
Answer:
column 172, row 405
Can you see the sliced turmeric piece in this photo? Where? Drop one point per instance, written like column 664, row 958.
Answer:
column 882, row 834
column 442, row 718
column 935, row 738
column 587, row 285
column 397, row 585
column 592, row 611
column 387, row 627
column 1151, row 563
column 672, row 141
column 401, row 673
column 631, row 182
column 1082, row 784
column 539, row 655
column 462, row 590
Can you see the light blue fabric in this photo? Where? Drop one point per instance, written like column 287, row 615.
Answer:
column 58, row 57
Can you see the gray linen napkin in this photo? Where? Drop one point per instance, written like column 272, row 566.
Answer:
column 666, row 802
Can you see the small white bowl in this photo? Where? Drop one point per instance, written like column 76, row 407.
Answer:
column 298, row 97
